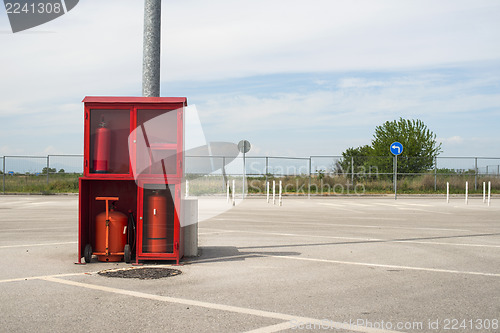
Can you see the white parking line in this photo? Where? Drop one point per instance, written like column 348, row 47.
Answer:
column 424, row 269
column 290, row 319
column 424, row 210
column 39, row 244
column 304, row 236
column 254, row 221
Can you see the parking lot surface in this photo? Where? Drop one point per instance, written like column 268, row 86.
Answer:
column 322, row 264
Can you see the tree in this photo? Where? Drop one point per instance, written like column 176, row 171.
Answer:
column 51, row 170
column 419, row 143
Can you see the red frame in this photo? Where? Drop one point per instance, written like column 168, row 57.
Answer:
column 92, row 183
column 177, row 248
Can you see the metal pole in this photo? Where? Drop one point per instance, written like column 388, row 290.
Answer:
column 4, row 175
column 234, row 193
column 466, row 193
column 475, row 174
column 274, row 192
column 267, row 167
column 280, row 201
column 309, row 186
column 447, row 192
column 244, row 175
column 395, row 177
column 352, row 170
column 484, row 192
column 151, row 49
column 435, row 173
column 48, row 167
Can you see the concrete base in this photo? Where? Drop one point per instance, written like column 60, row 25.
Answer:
column 189, row 224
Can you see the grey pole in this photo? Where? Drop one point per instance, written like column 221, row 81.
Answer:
column 475, row 174
column 309, row 185
column 352, row 170
column 267, row 168
column 435, row 173
column 244, row 175
column 151, row 46
column 48, row 168
column 4, row 175
column 395, row 177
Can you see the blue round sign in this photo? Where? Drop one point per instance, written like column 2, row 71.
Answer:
column 396, row 148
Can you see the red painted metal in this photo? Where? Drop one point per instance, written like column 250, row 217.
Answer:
column 108, row 172
column 110, row 233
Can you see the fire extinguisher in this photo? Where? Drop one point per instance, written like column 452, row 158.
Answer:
column 101, row 148
column 157, row 223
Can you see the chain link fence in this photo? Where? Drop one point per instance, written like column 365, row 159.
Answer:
column 314, row 175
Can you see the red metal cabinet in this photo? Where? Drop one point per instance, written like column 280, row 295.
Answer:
column 133, row 146
column 159, row 231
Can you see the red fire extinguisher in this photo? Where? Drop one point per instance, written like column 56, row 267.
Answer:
column 157, row 224
column 101, row 148
column 111, row 233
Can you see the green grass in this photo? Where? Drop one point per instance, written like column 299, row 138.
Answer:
column 292, row 185
column 58, row 183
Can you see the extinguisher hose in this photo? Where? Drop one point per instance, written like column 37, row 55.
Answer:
column 131, row 226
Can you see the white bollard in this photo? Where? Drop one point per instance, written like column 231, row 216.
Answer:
column 466, row 193
column 447, row 192
column 274, row 192
column 234, row 193
column 187, row 188
column 484, row 192
column 267, row 191
column 227, row 191
column 489, row 192
column 280, row 201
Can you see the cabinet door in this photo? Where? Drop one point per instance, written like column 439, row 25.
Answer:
column 159, row 227
column 158, row 142
column 108, row 141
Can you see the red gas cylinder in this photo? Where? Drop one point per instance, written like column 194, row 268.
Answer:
column 117, row 235
column 101, row 149
column 156, row 240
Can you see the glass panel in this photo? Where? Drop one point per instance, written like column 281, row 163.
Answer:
column 109, row 130
column 158, row 219
column 156, row 141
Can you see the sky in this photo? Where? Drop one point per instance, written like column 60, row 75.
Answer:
column 295, row 78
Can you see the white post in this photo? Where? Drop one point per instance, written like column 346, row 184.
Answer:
column 234, row 193
column 466, row 193
column 187, row 188
column 267, row 191
column 489, row 192
column 280, row 202
column 484, row 192
column 274, row 192
column 447, row 192
column 227, row 191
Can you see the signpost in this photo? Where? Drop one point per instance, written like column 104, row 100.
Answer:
column 396, row 149
column 244, row 147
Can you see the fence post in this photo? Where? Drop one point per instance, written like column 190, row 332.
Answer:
column 309, row 186
column 475, row 174
column 352, row 170
column 267, row 167
column 435, row 173
column 4, row 174
column 224, row 180
column 48, row 167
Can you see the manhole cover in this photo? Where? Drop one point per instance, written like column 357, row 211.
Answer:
column 143, row 273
